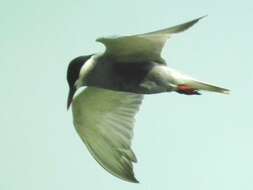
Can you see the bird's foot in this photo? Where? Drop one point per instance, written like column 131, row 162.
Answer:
column 187, row 90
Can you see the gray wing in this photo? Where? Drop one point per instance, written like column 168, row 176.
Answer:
column 104, row 119
column 141, row 47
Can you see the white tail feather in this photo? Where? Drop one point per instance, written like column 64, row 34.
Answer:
column 207, row 87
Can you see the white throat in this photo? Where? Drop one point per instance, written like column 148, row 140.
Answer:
column 86, row 69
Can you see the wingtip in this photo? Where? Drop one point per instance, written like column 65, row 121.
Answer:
column 198, row 19
column 227, row 92
column 131, row 178
column 184, row 26
column 134, row 180
column 202, row 17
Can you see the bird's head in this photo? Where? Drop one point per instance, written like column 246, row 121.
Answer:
column 73, row 74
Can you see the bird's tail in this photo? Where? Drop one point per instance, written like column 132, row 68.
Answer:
column 198, row 85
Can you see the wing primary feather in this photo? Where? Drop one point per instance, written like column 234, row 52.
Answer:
column 177, row 28
column 138, row 48
column 104, row 120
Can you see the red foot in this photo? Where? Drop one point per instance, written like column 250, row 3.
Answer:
column 185, row 89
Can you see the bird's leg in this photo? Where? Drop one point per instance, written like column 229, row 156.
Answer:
column 187, row 90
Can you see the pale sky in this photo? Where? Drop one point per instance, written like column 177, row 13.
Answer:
column 182, row 142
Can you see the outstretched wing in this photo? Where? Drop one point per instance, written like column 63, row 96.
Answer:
column 141, row 47
column 104, row 119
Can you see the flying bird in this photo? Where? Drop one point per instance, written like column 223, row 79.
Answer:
column 116, row 80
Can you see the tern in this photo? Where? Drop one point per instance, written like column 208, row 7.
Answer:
column 116, row 81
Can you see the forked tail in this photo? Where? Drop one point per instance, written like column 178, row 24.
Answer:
column 198, row 85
